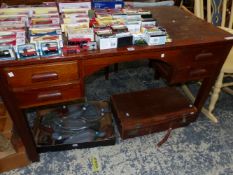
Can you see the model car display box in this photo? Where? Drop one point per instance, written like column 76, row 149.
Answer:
column 71, row 125
column 154, row 35
column 6, row 53
column 144, row 112
column 101, row 4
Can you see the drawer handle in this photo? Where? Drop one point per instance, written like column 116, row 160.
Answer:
column 44, row 77
column 203, row 55
column 198, row 72
column 49, row 96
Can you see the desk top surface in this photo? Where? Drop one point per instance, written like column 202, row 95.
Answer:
column 185, row 30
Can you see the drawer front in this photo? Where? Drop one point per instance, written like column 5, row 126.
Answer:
column 170, row 74
column 203, row 55
column 187, row 57
column 197, row 72
column 158, row 127
column 42, row 73
column 194, row 72
column 191, row 56
column 44, row 96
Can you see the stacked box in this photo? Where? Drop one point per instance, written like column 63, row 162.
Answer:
column 154, row 35
column 101, row 4
column 121, row 24
column 13, row 23
column 66, row 6
column 74, row 14
column 45, row 31
column 76, row 26
column 6, row 53
column 12, row 26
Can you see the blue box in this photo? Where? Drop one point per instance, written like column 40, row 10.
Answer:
column 99, row 4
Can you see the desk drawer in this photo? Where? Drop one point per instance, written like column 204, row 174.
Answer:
column 195, row 72
column 190, row 56
column 198, row 72
column 203, row 55
column 49, row 95
column 23, row 76
column 170, row 74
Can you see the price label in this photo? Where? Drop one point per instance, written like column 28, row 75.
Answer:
column 95, row 164
column 11, row 74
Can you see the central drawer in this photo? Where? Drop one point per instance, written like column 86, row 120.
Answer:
column 32, row 75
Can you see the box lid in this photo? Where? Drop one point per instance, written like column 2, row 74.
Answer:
column 151, row 106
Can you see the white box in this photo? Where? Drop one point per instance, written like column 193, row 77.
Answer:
column 134, row 27
column 155, row 39
column 81, row 33
column 37, row 39
column 148, row 23
column 65, row 27
column 106, row 43
column 11, row 18
column 75, row 5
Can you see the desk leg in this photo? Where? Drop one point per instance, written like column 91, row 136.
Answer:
column 19, row 120
column 203, row 110
column 203, row 92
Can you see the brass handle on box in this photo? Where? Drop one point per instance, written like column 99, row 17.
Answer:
column 49, row 95
column 203, row 56
column 44, row 76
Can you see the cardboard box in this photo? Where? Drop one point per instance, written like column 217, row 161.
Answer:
column 49, row 48
column 80, row 33
column 11, row 23
column 50, row 30
column 74, row 20
column 81, row 11
column 42, row 21
column 13, row 18
column 134, row 27
column 81, row 25
column 16, row 11
column 74, row 5
column 19, row 32
column 155, row 39
column 107, row 4
column 148, row 22
column 12, row 42
column 106, row 42
column 153, row 30
column 38, row 39
column 123, row 41
column 27, row 51
column 7, row 53
column 44, row 10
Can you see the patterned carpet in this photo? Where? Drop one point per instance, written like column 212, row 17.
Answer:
column 202, row 148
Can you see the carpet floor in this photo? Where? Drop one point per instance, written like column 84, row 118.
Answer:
column 202, row 148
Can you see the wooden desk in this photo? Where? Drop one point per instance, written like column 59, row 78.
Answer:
column 197, row 52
